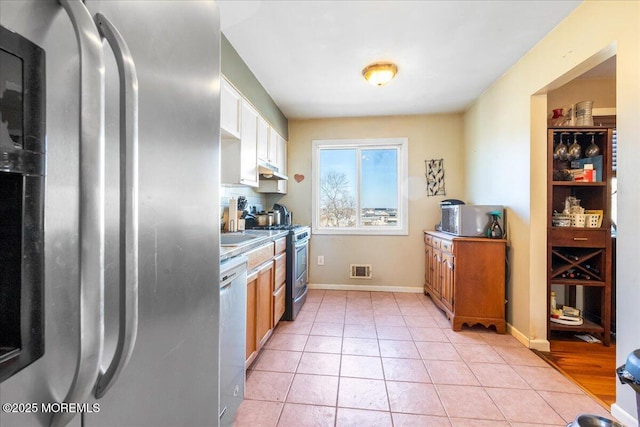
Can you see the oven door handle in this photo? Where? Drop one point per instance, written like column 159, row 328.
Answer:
column 301, row 243
column 91, row 205
column 128, row 242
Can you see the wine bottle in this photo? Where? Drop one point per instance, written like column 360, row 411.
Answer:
column 568, row 255
column 582, row 276
column 592, row 269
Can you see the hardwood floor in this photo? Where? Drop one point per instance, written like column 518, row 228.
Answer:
column 591, row 366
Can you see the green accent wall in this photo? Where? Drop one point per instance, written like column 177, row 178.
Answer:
column 237, row 72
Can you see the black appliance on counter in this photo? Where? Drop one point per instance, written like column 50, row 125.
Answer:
column 297, row 266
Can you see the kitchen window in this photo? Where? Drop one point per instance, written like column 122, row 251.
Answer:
column 360, row 186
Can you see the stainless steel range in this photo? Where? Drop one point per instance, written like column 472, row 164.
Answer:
column 297, row 270
column 297, row 266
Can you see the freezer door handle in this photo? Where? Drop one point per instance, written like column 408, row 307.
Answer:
column 91, row 221
column 128, row 242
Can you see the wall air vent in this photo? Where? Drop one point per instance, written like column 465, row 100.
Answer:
column 360, row 271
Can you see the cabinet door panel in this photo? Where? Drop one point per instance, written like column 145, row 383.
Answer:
column 446, row 273
column 264, row 292
column 280, row 269
column 278, row 304
column 230, row 101
column 428, row 267
column 248, row 146
column 251, row 317
column 263, row 139
column 436, row 278
column 273, row 146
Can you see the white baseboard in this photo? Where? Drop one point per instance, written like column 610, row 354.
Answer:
column 623, row 416
column 372, row 288
column 540, row 345
column 537, row 344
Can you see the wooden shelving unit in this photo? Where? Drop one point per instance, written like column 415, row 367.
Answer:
column 580, row 256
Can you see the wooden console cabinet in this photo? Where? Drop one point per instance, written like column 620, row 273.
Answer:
column 465, row 277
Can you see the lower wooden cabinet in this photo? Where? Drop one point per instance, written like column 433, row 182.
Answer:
column 465, row 277
column 259, row 299
column 266, row 291
column 252, row 342
column 264, row 311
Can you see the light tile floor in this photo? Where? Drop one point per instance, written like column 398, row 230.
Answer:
column 391, row 359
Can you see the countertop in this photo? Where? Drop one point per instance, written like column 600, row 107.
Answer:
column 264, row 236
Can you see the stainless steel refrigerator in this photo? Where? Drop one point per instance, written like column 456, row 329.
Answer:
column 131, row 240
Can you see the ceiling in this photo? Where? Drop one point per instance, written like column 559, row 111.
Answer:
column 309, row 55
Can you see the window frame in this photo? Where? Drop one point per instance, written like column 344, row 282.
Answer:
column 401, row 144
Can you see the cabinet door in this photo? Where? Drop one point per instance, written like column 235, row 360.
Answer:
column 273, row 145
column 278, row 304
column 252, row 341
column 282, row 164
column 446, row 273
column 230, row 101
column 280, row 270
column 280, row 275
column 436, row 275
column 264, row 293
column 263, row 140
column 248, row 150
column 428, row 268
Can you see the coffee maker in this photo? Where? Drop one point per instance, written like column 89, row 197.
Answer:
column 286, row 216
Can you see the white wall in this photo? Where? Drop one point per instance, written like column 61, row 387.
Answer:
column 397, row 261
column 504, row 153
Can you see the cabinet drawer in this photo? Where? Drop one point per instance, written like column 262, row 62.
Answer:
column 587, row 238
column 281, row 269
column 446, row 246
column 428, row 239
column 259, row 255
column 278, row 304
column 281, row 245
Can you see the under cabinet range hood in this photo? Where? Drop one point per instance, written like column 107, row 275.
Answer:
column 270, row 172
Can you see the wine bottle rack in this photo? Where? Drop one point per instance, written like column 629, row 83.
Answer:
column 573, row 267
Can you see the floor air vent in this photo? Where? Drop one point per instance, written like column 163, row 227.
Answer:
column 360, row 271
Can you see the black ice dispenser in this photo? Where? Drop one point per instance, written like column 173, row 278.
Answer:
column 22, row 174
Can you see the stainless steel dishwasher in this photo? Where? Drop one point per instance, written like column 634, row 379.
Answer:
column 233, row 326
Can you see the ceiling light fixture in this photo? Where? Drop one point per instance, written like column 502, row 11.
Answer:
column 381, row 73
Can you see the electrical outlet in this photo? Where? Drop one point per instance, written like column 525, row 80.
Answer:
column 320, row 259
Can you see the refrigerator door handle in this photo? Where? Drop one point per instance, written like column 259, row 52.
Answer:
column 128, row 246
column 91, row 215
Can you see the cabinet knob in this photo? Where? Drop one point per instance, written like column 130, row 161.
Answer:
column 581, row 239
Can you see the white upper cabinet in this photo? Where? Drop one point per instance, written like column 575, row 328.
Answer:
column 263, row 140
column 239, row 161
column 273, row 146
column 277, row 186
column 249, row 148
column 248, row 140
column 230, row 105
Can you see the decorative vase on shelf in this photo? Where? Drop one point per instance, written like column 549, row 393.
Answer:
column 557, row 119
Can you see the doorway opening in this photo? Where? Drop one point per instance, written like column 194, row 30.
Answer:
column 590, row 365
